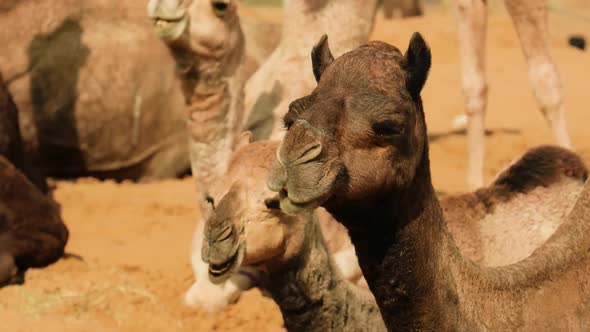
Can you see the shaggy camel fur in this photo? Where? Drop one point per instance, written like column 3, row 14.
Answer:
column 495, row 225
column 530, row 19
column 31, row 231
column 358, row 146
column 95, row 89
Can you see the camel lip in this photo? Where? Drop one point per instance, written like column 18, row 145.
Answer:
column 170, row 28
column 222, row 271
column 291, row 207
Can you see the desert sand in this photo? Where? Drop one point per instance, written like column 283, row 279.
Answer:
column 128, row 263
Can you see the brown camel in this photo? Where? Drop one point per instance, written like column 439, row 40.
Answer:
column 95, row 89
column 530, row 20
column 358, row 146
column 542, row 185
column 31, row 231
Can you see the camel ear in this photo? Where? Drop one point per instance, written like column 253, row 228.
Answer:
column 244, row 139
column 417, row 64
column 321, row 57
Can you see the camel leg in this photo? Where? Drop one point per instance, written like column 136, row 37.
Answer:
column 530, row 21
column 471, row 26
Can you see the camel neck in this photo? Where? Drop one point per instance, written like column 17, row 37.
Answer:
column 213, row 91
column 313, row 296
column 401, row 241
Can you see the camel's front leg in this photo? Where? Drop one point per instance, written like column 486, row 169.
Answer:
column 530, row 20
column 471, row 21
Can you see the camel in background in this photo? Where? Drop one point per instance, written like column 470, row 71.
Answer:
column 530, row 20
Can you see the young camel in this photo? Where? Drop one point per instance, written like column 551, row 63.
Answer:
column 358, row 146
column 530, row 19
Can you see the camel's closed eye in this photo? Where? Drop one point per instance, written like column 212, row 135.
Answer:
column 388, row 128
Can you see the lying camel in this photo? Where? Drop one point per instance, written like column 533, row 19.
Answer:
column 484, row 223
column 32, row 233
column 95, row 89
column 358, row 146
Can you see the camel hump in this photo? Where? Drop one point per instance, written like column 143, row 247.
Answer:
column 542, row 166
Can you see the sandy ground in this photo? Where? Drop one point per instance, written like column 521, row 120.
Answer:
column 133, row 239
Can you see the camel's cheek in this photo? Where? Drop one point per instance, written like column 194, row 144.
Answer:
column 264, row 241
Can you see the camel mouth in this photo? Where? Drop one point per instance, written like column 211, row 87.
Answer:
column 289, row 206
column 170, row 28
column 221, row 271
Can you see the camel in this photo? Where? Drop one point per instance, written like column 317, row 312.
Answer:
column 357, row 145
column 530, row 19
column 93, row 103
column 487, row 224
column 32, row 233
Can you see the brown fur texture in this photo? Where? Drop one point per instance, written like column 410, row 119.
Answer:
column 93, row 103
column 31, row 231
column 358, row 146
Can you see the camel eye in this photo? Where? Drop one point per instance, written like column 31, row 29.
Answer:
column 288, row 122
column 210, row 200
column 388, row 128
column 220, row 6
column 272, row 203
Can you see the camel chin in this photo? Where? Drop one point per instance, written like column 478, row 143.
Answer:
column 214, row 297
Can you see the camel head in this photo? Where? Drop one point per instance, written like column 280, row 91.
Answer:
column 360, row 133
column 208, row 28
column 244, row 224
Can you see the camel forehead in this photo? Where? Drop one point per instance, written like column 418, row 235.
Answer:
column 249, row 167
column 255, row 155
column 374, row 66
